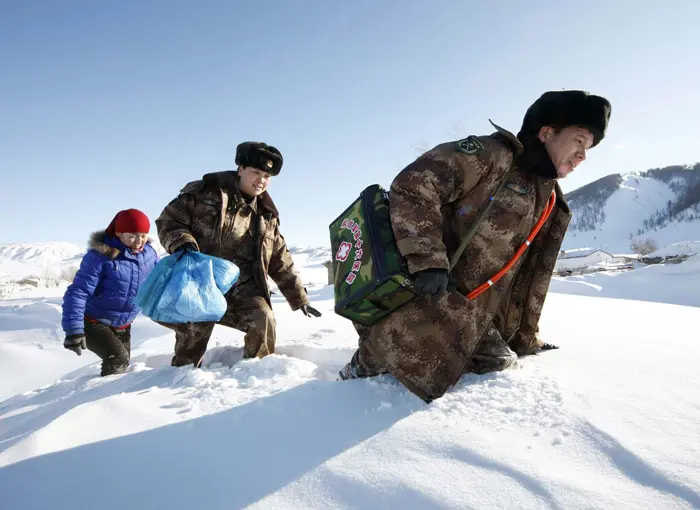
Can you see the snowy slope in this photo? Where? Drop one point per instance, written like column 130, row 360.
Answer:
column 623, row 213
column 310, row 257
column 599, row 423
column 31, row 350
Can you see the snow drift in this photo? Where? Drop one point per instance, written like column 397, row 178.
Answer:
column 599, row 423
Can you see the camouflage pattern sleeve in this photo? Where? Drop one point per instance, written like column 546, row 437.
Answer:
column 174, row 223
column 285, row 275
column 418, row 193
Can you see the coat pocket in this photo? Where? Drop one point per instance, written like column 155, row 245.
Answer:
column 207, row 208
column 512, row 206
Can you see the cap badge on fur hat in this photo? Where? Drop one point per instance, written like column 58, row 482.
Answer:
column 259, row 155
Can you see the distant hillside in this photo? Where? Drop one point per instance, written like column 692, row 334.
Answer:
column 662, row 204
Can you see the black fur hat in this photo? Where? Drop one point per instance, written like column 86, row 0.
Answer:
column 565, row 108
column 259, row 155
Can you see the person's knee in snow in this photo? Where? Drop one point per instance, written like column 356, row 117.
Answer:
column 191, row 340
column 117, row 363
column 260, row 337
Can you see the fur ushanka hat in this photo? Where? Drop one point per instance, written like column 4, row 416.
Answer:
column 561, row 109
column 259, row 155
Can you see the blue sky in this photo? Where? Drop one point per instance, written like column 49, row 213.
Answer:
column 111, row 105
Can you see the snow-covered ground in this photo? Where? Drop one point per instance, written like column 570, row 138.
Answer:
column 675, row 249
column 600, row 423
column 663, row 283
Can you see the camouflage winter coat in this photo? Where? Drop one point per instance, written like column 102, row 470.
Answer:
column 428, row 343
column 212, row 214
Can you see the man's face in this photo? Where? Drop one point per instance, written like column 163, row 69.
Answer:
column 253, row 181
column 566, row 147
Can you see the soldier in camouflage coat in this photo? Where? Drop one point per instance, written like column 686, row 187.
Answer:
column 231, row 215
column 429, row 343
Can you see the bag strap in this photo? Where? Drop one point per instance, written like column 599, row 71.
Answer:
column 480, row 217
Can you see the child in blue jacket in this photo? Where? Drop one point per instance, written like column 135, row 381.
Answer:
column 98, row 307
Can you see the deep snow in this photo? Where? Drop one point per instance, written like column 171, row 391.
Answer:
column 607, row 421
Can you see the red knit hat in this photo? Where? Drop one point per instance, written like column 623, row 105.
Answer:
column 129, row 220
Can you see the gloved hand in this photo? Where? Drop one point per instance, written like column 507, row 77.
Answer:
column 187, row 247
column 75, row 343
column 431, row 281
column 309, row 310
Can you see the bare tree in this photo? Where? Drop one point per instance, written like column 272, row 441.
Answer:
column 68, row 273
column 643, row 247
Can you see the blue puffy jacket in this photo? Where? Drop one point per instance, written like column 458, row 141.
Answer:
column 106, row 284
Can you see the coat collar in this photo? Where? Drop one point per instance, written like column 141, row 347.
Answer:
column 110, row 246
column 509, row 138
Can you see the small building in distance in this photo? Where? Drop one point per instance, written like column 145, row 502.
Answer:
column 582, row 259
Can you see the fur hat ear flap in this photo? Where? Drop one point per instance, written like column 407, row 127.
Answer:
column 259, row 155
column 565, row 108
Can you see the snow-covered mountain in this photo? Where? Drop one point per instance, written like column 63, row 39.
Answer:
column 26, row 266
column 662, row 204
column 50, row 260
column 39, row 253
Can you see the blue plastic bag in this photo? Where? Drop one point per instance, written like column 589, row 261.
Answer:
column 187, row 287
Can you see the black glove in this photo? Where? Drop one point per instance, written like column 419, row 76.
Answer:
column 431, row 281
column 310, row 310
column 184, row 249
column 187, row 247
column 75, row 343
column 548, row 347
